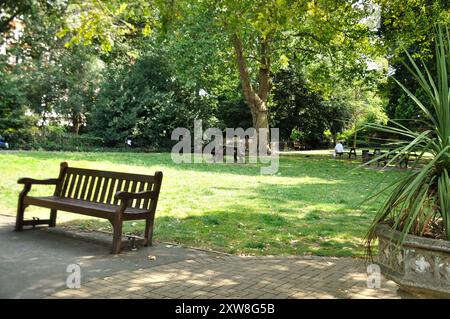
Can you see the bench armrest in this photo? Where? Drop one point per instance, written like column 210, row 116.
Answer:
column 31, row 181
column 122, row 195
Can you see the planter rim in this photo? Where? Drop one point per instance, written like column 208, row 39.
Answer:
column 383, row 230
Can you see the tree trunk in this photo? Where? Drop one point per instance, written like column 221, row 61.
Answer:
column 76, row 122
column 256, row 99
column 261, row 120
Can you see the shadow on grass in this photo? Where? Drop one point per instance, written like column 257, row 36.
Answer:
column 237, row 231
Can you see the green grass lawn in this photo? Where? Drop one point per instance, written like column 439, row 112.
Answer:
column 311, row 206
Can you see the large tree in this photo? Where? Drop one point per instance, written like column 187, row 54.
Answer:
column 264, row 35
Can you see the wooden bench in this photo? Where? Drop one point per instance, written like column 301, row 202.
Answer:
column 352, row 152
column 383, row 158
column 115, row 196
column 404, row 159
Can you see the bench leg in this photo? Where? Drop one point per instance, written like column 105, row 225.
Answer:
column 148, row 231
column 21, row 207
column 52, row 218
column 117, row 236
column 403, row 164
column 19, row 216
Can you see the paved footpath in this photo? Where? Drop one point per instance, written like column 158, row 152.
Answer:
column 239, row 277
column 33, row 265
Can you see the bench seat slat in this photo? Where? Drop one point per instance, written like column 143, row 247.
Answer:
column 84, row 207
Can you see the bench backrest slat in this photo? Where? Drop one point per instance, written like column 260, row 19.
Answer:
column 90, row 188
column 100, row 186
column 112, row 187
column 146, row 202
column 84, row 188
column 65, row 185
column 76, row 194
column 141, row 188
column 106, row 181
column 120, row 184
column 133, row 189
column 71, row 178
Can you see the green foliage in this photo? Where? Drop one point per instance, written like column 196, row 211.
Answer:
column 53, row 138
column 198, row 52
column 104, row 23
column 409, row 24
column 52, row 82
column 405, row 110
column 12, row 113
column 146, row 102
column 232, row 111
column 400, row 106
column 419, row 203
column 296, row 135
column 296, row 109
column 66, row 85
column 11, row 9
column 61, row 141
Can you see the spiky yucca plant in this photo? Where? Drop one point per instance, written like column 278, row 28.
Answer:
column 420, row 201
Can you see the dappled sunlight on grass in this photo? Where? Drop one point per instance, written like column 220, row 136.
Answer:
column 313, row 205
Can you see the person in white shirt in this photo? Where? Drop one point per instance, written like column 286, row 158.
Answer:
column 339, row 149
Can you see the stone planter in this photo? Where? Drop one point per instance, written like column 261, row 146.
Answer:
column 420, row 266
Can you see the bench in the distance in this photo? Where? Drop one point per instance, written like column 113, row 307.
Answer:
column 115, row 196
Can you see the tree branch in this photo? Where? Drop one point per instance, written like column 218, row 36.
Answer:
column 243, row 70
column 318, row 40
column 264, row 70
